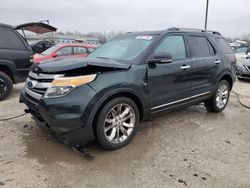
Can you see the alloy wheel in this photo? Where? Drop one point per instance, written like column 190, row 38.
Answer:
column 119, row 123
column 222, row 95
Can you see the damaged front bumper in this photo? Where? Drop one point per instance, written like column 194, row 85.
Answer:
column 66, row 116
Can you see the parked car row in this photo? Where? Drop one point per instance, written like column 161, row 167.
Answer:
column 16, row 56
column 64, row 50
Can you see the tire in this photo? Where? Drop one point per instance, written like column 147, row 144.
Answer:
column 220, row 98
column 112, row 117
column 6, row 85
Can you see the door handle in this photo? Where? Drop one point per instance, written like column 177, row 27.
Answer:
column 184, row 67
column 217, row 61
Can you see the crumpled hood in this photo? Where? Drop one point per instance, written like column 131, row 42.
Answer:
column 65, row 64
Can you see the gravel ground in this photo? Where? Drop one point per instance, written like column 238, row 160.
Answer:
column 185, row 148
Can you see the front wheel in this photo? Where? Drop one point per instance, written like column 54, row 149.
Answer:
column 6, row 85
column 219, row 100
column 117, row 123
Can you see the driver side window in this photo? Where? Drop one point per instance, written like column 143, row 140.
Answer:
column 174, row 45
column 65, row 51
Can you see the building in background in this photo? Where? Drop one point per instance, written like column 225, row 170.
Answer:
column 59, row 38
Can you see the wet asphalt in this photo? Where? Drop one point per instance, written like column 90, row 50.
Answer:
column 184, row 148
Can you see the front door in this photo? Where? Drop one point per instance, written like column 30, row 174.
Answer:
column 169, row 84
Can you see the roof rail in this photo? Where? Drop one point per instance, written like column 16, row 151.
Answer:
column 191, row 29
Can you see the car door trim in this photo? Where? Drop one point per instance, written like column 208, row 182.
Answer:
column 167, row 104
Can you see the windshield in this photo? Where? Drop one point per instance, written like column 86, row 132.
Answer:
column 125, row 48
column 50, row 50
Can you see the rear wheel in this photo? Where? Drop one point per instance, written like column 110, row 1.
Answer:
column 6, row 85
column 117, row 123
column 220, row 98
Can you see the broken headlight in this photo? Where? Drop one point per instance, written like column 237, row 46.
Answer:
column 63, row 85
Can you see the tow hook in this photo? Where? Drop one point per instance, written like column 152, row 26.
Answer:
column 27, row 111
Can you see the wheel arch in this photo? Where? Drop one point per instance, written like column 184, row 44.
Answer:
column 8, row 68
column 228, row 78
column 129, row 93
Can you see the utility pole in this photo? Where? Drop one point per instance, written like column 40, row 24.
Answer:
column 206, row 14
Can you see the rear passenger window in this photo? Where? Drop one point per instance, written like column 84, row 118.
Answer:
column 10, row 40
column 200, row 47
column 174, row 45
column 224, row 45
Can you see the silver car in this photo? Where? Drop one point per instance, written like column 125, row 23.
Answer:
column 243, row 69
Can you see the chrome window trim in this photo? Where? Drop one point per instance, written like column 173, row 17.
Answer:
column 167, row 104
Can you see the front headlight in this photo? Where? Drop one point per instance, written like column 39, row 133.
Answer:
column 62, row 86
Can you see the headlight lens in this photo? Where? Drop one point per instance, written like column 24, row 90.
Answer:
column 62, row 86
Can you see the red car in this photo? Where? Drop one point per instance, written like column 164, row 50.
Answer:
column 64, row 50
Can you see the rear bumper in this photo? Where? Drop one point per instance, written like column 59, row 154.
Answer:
column 63, row 116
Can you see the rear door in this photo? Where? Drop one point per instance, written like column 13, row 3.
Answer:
column 206, row 66
column 169, row 84
column 13, row 48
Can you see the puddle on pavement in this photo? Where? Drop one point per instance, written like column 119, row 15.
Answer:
column 48, row 150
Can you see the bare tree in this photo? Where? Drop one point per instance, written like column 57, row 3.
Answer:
column 246, row 37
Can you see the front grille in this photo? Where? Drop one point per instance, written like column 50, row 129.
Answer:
column 37, row 84
column 247, row 68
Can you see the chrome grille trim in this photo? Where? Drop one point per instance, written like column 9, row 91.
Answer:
column 44, row 76
column 40, row 85
column 32, row 94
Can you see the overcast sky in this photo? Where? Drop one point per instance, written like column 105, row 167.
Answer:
column 230, row 17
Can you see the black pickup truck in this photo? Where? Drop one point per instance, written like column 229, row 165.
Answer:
column 15, row 59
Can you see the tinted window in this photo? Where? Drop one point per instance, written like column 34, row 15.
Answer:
column 224, row 45
column 241, row 50
column 65, row 51
column 174, row 45
column 200, row 46
column 10, row 40
column 80, row 50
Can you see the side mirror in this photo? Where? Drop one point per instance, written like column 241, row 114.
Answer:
column 54, row 55
column 161, row 58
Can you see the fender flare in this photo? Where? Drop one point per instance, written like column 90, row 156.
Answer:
column 111, row 93
column 227, row 73
column 11, row 66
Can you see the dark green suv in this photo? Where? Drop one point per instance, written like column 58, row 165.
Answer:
column 129, row 79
